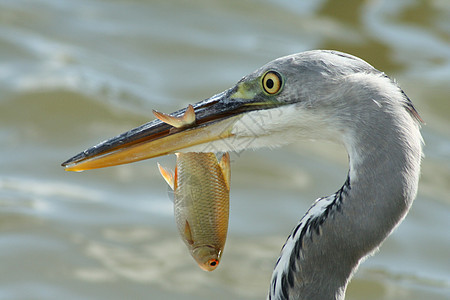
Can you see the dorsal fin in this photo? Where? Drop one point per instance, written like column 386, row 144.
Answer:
column 168, row 176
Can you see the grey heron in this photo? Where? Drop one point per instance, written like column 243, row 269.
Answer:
column 314, row 94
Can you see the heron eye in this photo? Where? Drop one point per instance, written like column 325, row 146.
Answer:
column 272, row 82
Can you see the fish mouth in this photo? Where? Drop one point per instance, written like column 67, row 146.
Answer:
column 207, row 257
column 215, row 119
column 210, row 265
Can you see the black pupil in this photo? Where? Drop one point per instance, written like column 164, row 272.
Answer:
column 269, row 83
column 213, row 263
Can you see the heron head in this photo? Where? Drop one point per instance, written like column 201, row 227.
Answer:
column 302, row 95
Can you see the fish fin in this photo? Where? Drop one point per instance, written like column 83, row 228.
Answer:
column 168, row 176
column 173, row 121
column 188, row 233
column 189, row 115
column 178, row 122
column 225, row 167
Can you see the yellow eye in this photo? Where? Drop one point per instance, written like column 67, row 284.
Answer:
column 272, row 82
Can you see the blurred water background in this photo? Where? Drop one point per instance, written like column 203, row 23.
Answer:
column 73, row 73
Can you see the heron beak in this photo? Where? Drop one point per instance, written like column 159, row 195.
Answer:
column 214, row 120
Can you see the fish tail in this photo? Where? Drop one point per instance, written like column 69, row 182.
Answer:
column 178, row 122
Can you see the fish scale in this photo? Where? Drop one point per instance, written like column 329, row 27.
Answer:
column 201, row 204
column 199, row 199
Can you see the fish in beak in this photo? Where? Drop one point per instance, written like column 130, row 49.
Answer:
column 218, row 127
column 201, row 187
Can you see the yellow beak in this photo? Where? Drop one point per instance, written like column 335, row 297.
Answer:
column 214, row 120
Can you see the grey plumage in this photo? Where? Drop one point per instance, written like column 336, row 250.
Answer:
column 320, row 95
column 377, row 123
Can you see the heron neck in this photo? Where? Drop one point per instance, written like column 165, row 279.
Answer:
column 327, row 245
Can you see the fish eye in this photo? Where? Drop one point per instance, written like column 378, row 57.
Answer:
column 213, row 262
column 272, row 82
